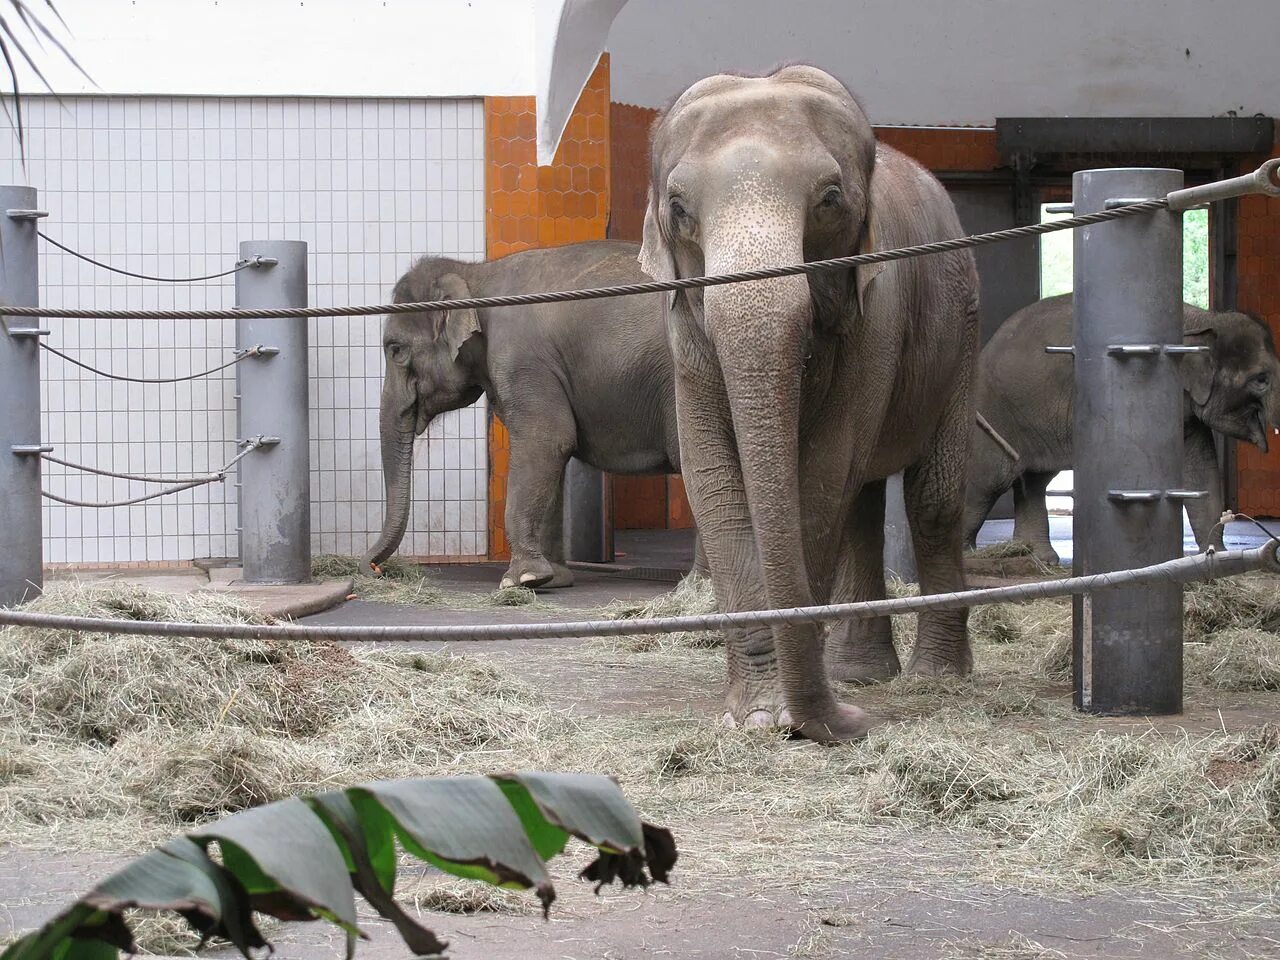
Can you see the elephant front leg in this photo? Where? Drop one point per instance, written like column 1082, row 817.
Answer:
column 1031, row 514
column 862, row 651
column 1200, row 472
column 553, row 545
column 534, row 485
column 934, row 493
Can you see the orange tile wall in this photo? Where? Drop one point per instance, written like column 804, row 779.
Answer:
column 639, row 503
column 1258, row 280
column 531, row 206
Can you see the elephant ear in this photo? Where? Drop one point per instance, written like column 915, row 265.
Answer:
column 1197, row 369
column 869, row 243
column 655, row 256
column 459, row 325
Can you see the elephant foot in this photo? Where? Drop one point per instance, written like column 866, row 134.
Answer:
column 530, row 572
column 563, row 577
column 939, row 662
column 1046, row 555
column 760, row 705
column 862, row 652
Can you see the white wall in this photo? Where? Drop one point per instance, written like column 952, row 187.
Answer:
column 343, row 48
column 170, row 186
column 949, row 62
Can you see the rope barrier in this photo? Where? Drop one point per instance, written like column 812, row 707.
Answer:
column 240, row 265
column 241, row 355
column 179, row 484
column 597, row 293
column 1204, row 566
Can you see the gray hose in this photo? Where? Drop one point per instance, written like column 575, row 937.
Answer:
column 1203, row 566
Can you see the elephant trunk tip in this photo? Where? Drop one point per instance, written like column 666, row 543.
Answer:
column 371, row 565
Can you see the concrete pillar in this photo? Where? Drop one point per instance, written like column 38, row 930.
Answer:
column 899, row 554
column 1128, row 444
column 21, row 535
column 275, row 480
column 588, row 514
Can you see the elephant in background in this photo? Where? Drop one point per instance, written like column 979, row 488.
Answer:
column 797, row 397
column 590, row 380
column 1027, row 396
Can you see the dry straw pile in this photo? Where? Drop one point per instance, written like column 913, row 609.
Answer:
column 114, row 742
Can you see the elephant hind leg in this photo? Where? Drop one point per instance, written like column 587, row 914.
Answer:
column 934, row 493
column 862, row 651
column 1031, row 514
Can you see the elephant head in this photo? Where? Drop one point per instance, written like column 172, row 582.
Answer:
column 431, row 367
column 1235, row 387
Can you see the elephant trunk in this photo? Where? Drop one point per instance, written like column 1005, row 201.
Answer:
column 761, row 334
column 396, row 425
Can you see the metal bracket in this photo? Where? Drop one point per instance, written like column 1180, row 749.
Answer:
column 30, row 449
column 1059, row 208
column 1135, row 496
column 26, row 214
column 1114, row 202
column 259, row 442
column 261, row 351
column 1133, row 349
column 257, row 261
column 1068, row 350
column 1152, row 349
column 28, row 332
column 1150, row 496
column 1265, row 180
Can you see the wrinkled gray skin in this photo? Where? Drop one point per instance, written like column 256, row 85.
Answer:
column 590, row 379
column 797, row 397
column 1027, row 396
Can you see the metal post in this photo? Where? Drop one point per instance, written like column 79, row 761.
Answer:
column 1128, row 444
column 21, row 536
column 899, row 554
column 588, row 520
column 275, row 480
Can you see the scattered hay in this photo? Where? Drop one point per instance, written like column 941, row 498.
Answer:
column 1233, row 603
column 441, row 893
column 1003, row 550
column 116, row 740
column 692, row 596
column 409, row 583
column 1237, row 659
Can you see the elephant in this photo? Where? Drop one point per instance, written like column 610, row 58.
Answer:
column 797, row 397
column 1026, row 396
column 590, row 379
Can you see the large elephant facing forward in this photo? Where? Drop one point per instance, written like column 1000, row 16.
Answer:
column 588, row 379
column 797, row 397
column 1028, row 397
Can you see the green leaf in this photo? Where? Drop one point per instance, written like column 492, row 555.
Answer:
column 285, row 857
column 589, row 806
column 236, row 921
column 374, row 881
column 43, row 943
column 463, row 825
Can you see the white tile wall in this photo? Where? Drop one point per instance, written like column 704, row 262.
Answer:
column 170, row 186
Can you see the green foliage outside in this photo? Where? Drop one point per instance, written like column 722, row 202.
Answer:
column 1056, row 265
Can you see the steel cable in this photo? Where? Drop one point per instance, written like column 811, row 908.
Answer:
column 1204, row 566
column 240, row 265
column 179, row 484
column 597, row 293
column 240, row 355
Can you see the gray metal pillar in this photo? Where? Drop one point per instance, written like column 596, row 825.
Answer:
column 899, row 554
column 275, row 480
column 21, row 576
column 588, row 514
column 1128, row 444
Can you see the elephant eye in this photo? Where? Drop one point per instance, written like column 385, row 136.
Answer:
column 677, row 208
column 1260, row 381
column 396, row 352
column 831, row 197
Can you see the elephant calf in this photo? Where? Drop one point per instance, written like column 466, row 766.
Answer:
column 590, row 379
column 1026, row 395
